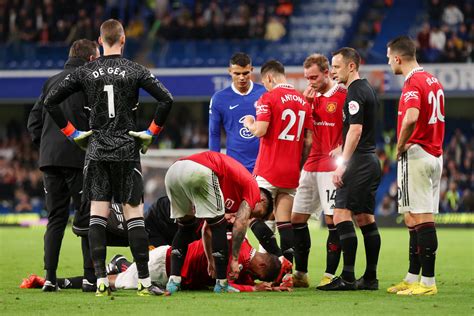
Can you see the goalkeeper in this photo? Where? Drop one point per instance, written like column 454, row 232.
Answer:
column 113, row 170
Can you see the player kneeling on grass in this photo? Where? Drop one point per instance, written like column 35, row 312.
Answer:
column 207, row 185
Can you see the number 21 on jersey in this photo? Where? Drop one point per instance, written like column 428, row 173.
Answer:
column 284, row 135
column 110, row 99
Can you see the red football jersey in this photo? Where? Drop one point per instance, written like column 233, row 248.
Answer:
column 236, row 182
column 327, row 130
column 279, row 156
column 424, row 92
column 194, row 271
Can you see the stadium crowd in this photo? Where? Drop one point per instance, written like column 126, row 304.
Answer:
column 447, row 35
column 62, row 22
column 457, row 181
column 21, row 186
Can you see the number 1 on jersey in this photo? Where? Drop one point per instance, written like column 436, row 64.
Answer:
column 110, row 98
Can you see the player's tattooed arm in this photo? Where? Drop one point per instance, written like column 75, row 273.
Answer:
column 238, row 234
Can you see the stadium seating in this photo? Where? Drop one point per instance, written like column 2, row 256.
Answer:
column 314, row 26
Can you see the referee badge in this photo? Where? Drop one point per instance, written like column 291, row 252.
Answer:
column 353, row 107
column 331, row 107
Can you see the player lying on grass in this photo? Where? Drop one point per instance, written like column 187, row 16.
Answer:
column 160, row 229
column 254, row 265
column 195, row 275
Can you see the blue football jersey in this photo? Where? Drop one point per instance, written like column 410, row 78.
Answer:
column 228, row 108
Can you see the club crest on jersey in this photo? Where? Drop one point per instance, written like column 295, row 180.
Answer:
column 331, row 107
column 244, row 131
column 353, row 107
column 409, row 95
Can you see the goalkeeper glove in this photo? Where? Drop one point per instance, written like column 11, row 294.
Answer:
column 79, row 137
column 146, row 137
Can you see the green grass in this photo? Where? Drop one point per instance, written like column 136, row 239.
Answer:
column 21, row 253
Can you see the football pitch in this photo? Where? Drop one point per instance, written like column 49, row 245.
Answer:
column 21, row 253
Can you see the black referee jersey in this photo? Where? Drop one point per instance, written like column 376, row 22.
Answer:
column 361, row 107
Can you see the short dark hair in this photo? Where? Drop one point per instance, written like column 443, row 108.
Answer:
column 269, row 197
column 274, row 66
column 350, row 54
column 273, row 268
column 240, row 59
column 83, row 49
column 111, row 31
column 403, row 45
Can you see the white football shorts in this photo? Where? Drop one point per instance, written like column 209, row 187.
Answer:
column 263, row 183
column 193, row 189
column 315, row 194
column 128, row 280
column 418, row 179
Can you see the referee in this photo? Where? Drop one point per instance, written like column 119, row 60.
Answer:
column 357, row 175
column 60, row 160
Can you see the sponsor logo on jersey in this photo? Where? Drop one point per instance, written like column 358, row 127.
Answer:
column 353, row 107
column 231, row 107
column 262, row 109
column 331, row 107
column 410, row 95
column 324, row 123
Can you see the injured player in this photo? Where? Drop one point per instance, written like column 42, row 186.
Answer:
column 254, row 265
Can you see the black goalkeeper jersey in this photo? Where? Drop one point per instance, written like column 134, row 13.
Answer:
column 111, row 84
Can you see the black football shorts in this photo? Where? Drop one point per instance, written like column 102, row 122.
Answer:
column 117, row 181
column 361, row 180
